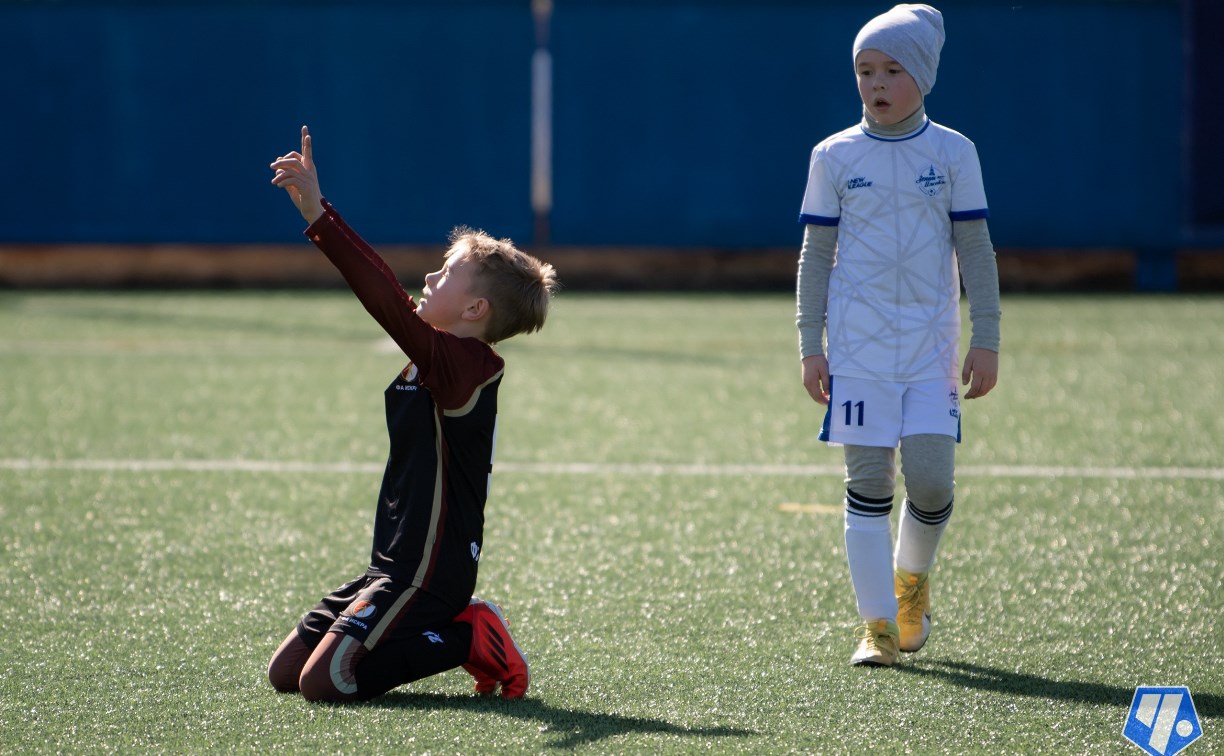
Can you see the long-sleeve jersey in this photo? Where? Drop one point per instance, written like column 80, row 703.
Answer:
column 442, row 426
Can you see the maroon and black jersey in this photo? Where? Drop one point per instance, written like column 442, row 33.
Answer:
column 442, row 422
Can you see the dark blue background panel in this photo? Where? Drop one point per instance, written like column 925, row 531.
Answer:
column 140, row 123
column 682, row 123
column 692, row 124
column 1076, row 111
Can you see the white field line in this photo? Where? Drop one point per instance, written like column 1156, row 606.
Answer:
column 598, row 468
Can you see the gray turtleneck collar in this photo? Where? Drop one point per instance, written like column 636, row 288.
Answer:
column 901, row 128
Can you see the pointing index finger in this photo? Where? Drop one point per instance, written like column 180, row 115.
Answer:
column 306, row 148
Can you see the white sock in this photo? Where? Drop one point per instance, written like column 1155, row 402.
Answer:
column 869, row 553
column 918, row 535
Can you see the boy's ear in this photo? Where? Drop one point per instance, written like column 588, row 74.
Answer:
column 476, row 309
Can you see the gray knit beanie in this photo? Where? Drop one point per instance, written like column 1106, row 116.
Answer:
column 911, row 34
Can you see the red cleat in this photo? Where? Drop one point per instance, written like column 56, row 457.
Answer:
column 495, row 658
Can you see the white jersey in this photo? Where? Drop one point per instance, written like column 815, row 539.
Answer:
column 894, row 292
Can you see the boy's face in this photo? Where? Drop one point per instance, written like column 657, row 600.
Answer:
column 889, row 93
column 447, row 293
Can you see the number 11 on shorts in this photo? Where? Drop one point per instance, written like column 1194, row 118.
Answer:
column 850, row 412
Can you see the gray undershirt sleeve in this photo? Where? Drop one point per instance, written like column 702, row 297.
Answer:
column 980, row 273
column 812, row 288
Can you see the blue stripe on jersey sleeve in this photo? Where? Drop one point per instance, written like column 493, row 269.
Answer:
column 966, row 215
column 819, row 220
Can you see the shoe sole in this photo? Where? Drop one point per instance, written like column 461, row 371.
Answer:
column 483, row 686
column 872, row 663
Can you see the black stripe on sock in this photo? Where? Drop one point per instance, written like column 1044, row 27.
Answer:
column 929, row 518
column 865, row 506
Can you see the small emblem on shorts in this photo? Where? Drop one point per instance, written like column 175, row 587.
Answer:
column 362, row 610
column 954, row 399
column 475, row 552
column 433, row 637
column 931, row 182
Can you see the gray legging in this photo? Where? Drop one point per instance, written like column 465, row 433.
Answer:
column 927, row 462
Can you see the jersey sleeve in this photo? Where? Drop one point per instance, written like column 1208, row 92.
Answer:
column 453, row 368
column 821, row 203
column 968, row 190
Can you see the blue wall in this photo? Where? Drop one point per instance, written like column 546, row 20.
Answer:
column 154, row 122
column 686, row 123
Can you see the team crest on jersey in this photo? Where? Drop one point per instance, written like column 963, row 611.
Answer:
column 931, row 181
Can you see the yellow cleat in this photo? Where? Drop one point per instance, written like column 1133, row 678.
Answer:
column 913, row 608
column 877, row 644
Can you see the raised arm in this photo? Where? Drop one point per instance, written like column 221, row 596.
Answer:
column 296, row 174
column 452, row 367
column 365, row 271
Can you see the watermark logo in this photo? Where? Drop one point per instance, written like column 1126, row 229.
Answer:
column 1162, row 721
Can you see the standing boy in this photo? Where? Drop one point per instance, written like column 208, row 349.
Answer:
column 411, row 614
column 892, row 205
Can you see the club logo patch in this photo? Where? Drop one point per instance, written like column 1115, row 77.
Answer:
column 931, row 181
column 362, row 610
column 858, row 182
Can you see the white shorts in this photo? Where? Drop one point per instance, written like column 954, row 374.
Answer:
column 879, row 413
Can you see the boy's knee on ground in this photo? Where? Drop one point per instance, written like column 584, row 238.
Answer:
column 285, row 666
column 316, row 683
column 283, row 679
column 328, row 673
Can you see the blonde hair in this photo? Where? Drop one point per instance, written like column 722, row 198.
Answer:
column 519, row 287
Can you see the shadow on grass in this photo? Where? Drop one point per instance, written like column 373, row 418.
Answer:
column 572, row 727
column 1018, row 683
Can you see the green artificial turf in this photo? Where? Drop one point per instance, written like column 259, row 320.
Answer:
column 183, row 474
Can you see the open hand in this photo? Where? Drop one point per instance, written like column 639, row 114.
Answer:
column 296, row 174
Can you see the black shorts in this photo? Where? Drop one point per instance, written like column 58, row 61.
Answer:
column 374, row 609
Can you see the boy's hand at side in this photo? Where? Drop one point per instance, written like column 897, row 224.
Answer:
column 816, row 377
column 982, row 368
column 296, row 174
